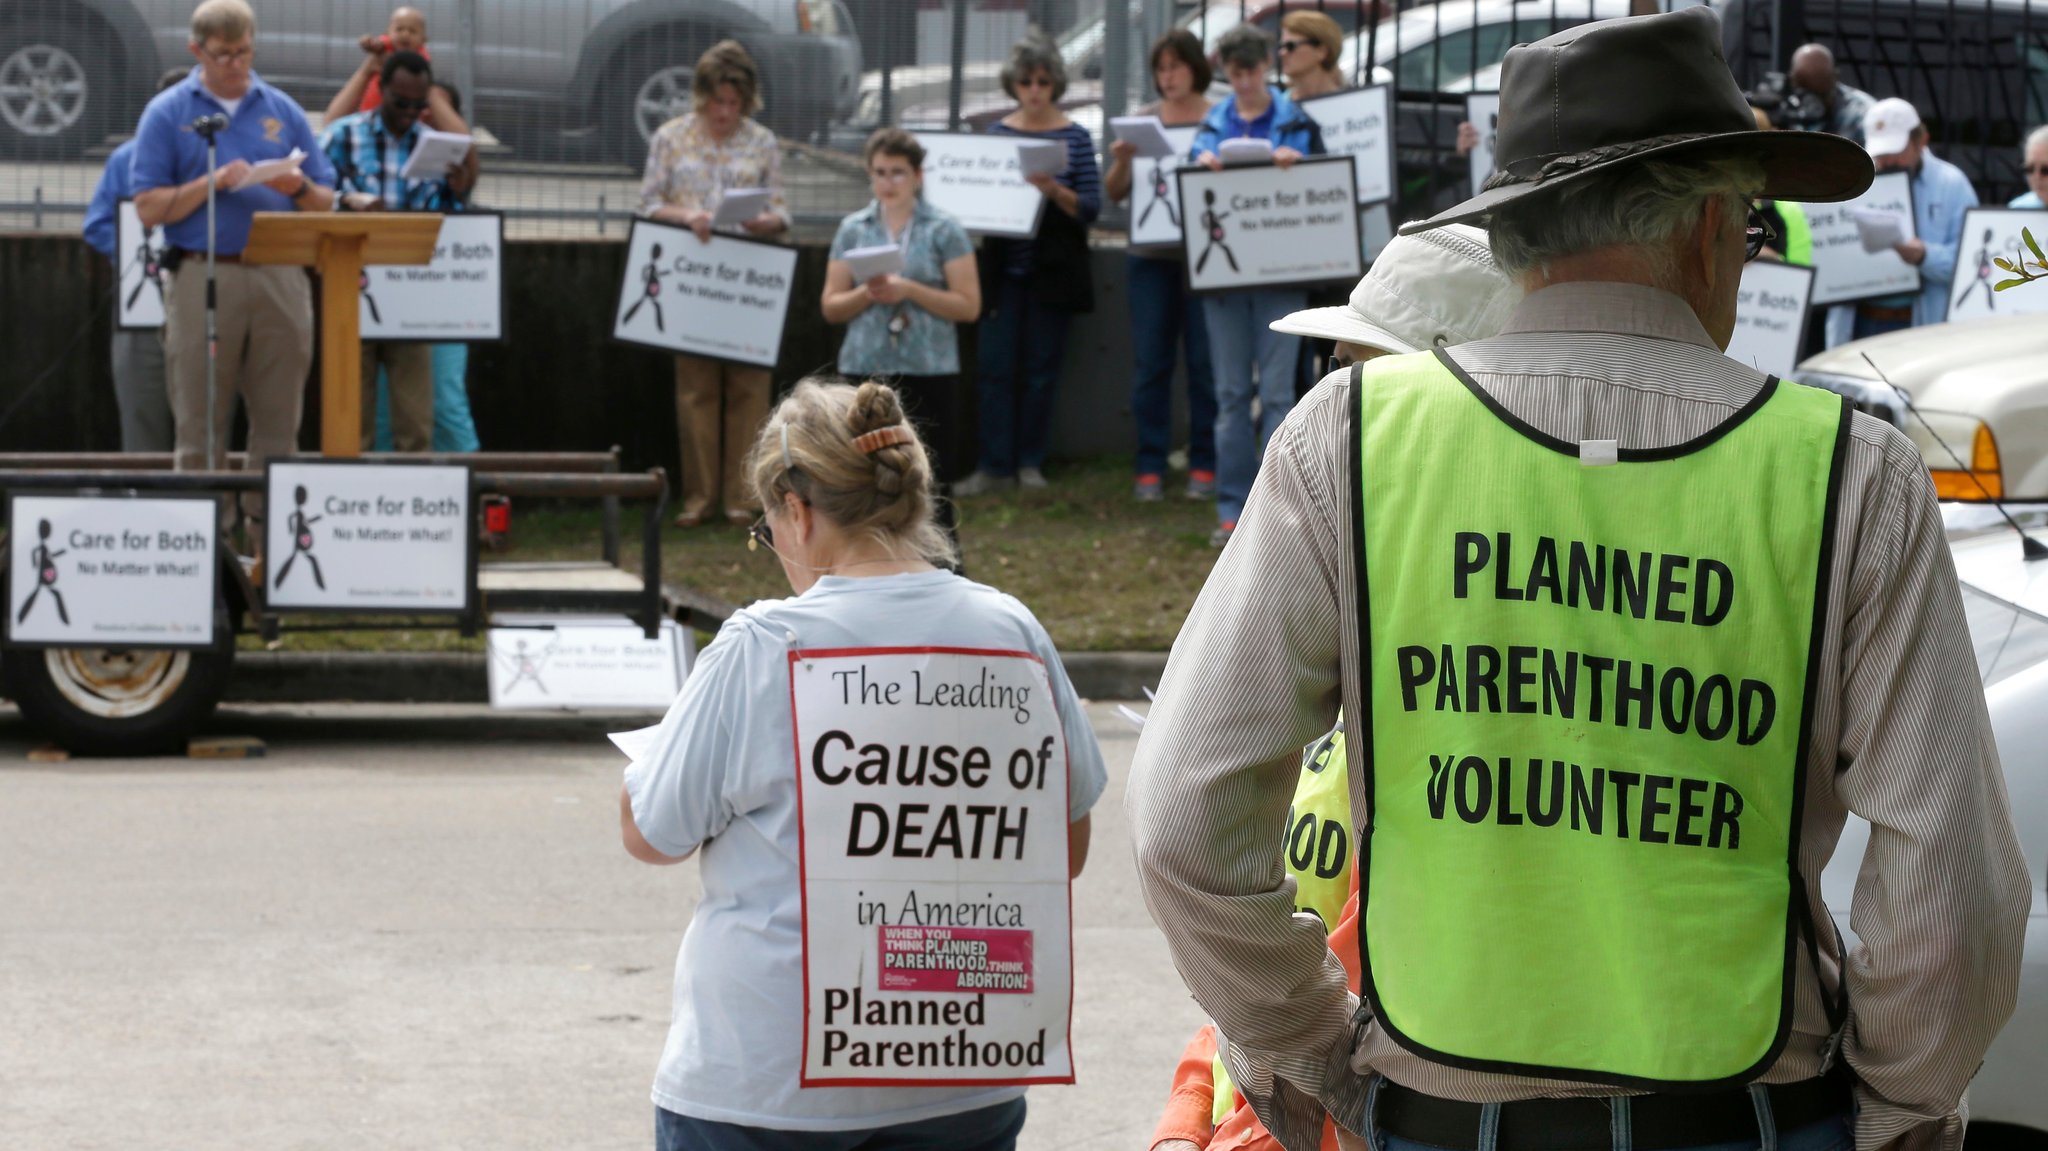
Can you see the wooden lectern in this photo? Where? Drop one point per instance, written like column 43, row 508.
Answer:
column 338, row 245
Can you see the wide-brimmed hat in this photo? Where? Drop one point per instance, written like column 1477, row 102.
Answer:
column 1592, row 98
column 1435, row 289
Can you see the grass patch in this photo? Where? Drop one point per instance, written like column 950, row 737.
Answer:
column 1101, row 571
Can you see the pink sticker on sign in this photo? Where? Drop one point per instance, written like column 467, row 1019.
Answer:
column 963, row 959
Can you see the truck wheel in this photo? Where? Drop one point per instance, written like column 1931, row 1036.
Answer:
column 654, row 75
column 58, row 88
column 116, row 701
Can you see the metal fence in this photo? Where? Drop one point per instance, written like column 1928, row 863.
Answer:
column 563, row 93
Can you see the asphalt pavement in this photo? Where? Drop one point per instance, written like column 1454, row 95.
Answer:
column 414, row 927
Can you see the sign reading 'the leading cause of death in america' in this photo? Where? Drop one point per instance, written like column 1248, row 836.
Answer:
column 110, row 570
column 725, row 299
column 980, row 180
column 457, row 297
column 1265, row 226
column 1770, row 316
column 932, row 817
column 347, row 535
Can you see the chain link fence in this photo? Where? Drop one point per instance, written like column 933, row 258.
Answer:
column 563, row 94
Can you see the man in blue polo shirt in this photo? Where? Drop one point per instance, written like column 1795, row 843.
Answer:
column 369, row 151
column 138, row 353
column 265, row 313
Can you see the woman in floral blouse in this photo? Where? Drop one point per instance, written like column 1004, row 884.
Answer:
column 692, row 162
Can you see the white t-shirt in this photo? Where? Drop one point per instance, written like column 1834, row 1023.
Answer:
column 720, row 775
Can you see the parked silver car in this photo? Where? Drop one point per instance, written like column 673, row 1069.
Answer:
column 551, row 74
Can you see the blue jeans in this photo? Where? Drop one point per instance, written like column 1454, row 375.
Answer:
column 454, row 430
column 1165, row 314
column 1867, row 327
column 1017, row 368
column 983, row 1129
column 1241, row 344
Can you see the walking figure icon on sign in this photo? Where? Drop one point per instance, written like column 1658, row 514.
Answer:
column 652, row 275
column 1213, row 221
column 302, row 541
column 45, row 562
column 526, row 668
column 363, row 286
column 1982, row 279
column 152, row 263
column 1162, row 193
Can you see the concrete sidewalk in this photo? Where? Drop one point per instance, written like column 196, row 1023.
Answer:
column 415, row 928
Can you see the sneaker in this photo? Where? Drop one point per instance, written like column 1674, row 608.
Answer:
column 1031, row 478
column 1149, row 490
column 981, row 484
column 1221, row 536
column 1201, row 485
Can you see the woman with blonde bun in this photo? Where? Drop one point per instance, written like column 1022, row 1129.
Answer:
column 878, row 645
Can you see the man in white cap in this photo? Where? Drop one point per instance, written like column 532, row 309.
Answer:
column 1897, row 142
column 1622, row 631
column 1434, row 289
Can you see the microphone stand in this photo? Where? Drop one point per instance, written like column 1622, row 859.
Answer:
column 212, row 331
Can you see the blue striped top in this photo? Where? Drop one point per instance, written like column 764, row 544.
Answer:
column 1083, row 175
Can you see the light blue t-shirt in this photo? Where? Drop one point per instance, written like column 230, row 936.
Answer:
column 2025, row 200
column 719, row 775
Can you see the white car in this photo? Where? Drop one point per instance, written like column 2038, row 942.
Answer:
column 2006, row 598
column 1980, row 388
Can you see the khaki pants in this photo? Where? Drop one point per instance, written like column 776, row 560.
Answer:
column 719, row 409
column 265, row 326
column 409, row 370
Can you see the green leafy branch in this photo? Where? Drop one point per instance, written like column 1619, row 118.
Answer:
column 2018, row 266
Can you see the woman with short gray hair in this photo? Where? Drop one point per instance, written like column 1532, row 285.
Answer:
column 1030, row 287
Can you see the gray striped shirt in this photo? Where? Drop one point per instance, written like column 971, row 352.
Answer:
column 1899, row 736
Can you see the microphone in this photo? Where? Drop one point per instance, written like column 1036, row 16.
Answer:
column 208, row 125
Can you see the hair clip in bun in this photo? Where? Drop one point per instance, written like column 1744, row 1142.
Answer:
column 871, row 442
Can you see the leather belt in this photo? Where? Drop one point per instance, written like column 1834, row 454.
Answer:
column 199, row 257
column 1656, row 1122
column 1889, row 315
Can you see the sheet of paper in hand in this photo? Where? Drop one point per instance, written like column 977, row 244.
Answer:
column 1271, row 227
column 1042, row 157
column 1844, row 268
column 1990, row 235
column 1359, row 124
column 1155, row 192
column 725, row 299
column 867, row 263
column 269, row 170
column 978, row 180
column 434, row 154
column 932, row 816
column 1770, row 316
column 1241, row 150
column 739, row 205
column 1147, row 132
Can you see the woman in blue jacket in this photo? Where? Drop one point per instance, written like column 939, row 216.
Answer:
column 1241, row 345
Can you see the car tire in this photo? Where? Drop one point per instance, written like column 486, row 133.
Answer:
column 58, row 86
column 654, row 73
column 113, row 701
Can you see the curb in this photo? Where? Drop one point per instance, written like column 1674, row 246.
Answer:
column 460, row 677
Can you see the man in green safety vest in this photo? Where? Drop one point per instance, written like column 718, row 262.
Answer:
column 1623, row 630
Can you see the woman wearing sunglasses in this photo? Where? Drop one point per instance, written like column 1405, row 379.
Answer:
column 1309, row 45
column 1030, row 287
column 892, row 679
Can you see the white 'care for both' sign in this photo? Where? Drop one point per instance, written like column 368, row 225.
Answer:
column 1770, row 316
column 111, row 570
column 1263, row 226
column 386, row 536
column 725, row 298
column 981, row 182
column 457, row 297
